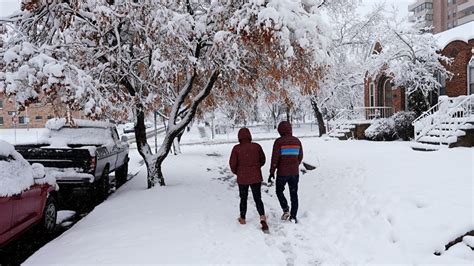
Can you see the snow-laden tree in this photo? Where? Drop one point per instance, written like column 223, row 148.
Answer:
column 122, row 56
column 408, row 54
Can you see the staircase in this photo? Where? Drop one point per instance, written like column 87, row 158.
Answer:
column 340, row 126
column 351, row 123
column 450, row 123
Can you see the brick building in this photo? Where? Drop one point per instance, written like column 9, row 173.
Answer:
column 442, row 15
column 34, row 116
column 458, row 44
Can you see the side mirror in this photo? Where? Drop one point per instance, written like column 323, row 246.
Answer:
column 38, row 171
column 124, row 139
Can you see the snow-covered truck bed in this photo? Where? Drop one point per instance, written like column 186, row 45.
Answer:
column 80, row 153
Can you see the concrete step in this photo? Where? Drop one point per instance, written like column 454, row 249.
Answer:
column 438, row 132
column 425, row 147
column 437, row 140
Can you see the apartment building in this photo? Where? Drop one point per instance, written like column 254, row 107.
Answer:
column 442, row 15
column 34, row 116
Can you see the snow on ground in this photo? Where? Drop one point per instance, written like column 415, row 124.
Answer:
column 367, row 202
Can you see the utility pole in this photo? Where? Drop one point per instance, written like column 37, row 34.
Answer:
column 156, row 133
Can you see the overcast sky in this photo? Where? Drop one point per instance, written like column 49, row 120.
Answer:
column 400, row 5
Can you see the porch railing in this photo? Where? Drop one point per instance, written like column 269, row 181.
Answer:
column 358, row 114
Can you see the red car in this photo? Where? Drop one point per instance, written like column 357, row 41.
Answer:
column 27, row 197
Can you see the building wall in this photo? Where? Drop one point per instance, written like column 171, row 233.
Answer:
column 422, row 10
column 462, row 53
column 448, row 14
column 38, row 114
column 440, row 15
column 398, row 94
column 398, row 99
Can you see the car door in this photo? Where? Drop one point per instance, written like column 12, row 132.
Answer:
column 27, row 207
column 6, row 211
column 119, row 148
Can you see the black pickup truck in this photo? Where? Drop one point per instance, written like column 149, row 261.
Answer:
column 81, row 153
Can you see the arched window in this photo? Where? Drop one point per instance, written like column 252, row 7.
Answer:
column 387, row 91
column 470, row 75
column 371, row 94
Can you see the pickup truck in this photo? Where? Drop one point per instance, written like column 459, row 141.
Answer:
column 81, row 153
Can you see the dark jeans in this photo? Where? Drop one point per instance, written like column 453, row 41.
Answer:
column 257, row 197
column 280, row 187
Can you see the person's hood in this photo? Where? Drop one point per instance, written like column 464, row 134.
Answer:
column 244, row 135
column 284, row 128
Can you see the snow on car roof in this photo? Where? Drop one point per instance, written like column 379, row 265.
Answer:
column 463, row 32
column 58, row 123
column 6, row 149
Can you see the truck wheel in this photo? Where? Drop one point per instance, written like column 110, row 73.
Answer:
column 103, row 185
column 121, row 173
column 50, row 213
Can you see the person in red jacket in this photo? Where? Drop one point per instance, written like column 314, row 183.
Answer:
column 286, row 157
column 245, row 161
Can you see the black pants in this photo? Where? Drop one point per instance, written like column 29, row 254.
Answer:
column 257, row 197
column 280, row 187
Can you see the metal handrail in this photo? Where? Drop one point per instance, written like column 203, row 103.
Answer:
column 428, row 112
column 436, row 116
column 364, row 113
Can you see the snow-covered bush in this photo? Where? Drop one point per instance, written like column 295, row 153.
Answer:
column 403, row 124
column 381, row 129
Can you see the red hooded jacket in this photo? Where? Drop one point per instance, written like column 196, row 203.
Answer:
column 287, row 152
column 246, row 159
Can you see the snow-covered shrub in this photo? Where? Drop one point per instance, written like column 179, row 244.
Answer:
column 403, row 124
column 381, row 129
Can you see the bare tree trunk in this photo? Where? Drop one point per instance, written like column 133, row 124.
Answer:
column 142, row 145
column 319, row 116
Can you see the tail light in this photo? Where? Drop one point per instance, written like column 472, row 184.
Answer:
column 93, row 163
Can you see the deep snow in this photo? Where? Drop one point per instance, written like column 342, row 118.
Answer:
column 367, row 202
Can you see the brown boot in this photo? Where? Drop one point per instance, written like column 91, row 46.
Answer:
column 263, row 222
column 241, row 220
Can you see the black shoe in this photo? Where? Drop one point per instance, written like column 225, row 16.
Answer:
column 293, row 220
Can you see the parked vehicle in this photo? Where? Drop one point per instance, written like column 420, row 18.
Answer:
column 81, row 153
column 27, row 196
column 130, row 127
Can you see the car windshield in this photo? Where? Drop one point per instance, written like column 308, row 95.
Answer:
column 83, row 136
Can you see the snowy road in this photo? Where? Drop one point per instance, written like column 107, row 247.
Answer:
column 367, row 203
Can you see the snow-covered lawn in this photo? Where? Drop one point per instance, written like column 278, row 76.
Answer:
column 367, row 202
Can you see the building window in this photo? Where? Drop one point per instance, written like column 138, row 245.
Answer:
column 38, row 118
column 470, row 76
column 23, row 120
column 371, row 94
column 11, row 113
column 441, row 78
column 50, row 117
column 1, row 120
column 429, row 17
column 1, row 103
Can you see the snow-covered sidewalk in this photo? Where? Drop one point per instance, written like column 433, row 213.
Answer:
column 366, row 203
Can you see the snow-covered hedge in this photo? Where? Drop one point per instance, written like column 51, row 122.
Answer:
column 397, row 126
column 381, row 129
column 403, row 124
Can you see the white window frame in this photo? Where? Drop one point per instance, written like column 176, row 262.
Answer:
column 470, row 75
column 371, row 94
